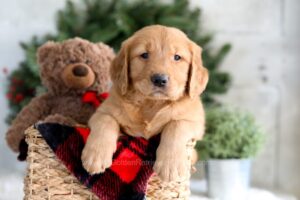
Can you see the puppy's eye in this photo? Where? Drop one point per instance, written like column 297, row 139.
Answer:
column 145, row 55
column 177, row 57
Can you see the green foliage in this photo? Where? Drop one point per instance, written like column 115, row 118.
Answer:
column 112, row 21
column 24, row 82
column 229, row 134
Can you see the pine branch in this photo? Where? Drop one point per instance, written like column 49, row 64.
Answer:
column 112, row 21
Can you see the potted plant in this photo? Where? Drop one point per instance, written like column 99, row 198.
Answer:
column 231, row 140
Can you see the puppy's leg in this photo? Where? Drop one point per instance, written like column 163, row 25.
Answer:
column 101, row 143
column 171, row 156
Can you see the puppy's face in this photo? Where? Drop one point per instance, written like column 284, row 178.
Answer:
column 160, row 63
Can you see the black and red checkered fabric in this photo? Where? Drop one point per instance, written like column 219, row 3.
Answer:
column 132, row 163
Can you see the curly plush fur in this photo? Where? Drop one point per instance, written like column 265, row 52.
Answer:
column 67, row 70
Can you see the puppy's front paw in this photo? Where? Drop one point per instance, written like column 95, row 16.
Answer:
column 171, row 166
column 97, row 158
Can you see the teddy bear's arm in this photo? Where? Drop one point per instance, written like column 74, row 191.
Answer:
column 36, row 110
column 58, row 118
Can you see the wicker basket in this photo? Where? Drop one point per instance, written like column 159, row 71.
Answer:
column 47, row 178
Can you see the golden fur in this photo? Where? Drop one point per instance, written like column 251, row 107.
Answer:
column 139, row 108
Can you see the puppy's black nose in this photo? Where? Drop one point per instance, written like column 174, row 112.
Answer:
column 159, row 80
column 80, row 70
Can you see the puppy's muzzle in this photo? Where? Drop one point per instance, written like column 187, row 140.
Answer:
column 159, row 80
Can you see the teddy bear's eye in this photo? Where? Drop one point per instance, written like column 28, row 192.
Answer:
column 88, row 61
column 72, row 61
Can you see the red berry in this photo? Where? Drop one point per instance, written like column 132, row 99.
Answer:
column 5, row 70
column 8, row 96
column 19, row 97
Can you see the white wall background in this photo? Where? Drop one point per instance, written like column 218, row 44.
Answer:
column 265, row 64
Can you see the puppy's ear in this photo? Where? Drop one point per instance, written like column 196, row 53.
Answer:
column 198, row 75
column 119, row 70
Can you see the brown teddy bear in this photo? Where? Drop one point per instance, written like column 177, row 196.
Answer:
column 68, row 70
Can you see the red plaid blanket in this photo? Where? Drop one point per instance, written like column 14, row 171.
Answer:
column 132, row 163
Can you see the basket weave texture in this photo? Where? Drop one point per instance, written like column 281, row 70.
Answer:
column 47, row 178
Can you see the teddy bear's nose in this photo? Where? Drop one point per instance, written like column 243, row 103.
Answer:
column 80, row 70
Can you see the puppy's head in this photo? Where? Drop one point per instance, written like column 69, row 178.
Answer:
column 160, row 63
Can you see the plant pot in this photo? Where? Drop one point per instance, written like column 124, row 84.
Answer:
column 228, row 179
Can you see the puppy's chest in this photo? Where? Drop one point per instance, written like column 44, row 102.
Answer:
column 144, row 122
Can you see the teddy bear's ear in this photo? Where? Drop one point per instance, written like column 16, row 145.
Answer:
column 47, row 51
column 106, row 51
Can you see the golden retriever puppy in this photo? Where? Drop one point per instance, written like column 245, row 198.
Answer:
column 157, row 79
